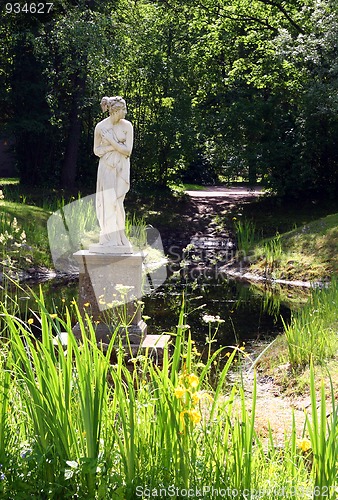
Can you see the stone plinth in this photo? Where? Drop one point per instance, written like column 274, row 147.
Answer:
column 110, row 249
column 153, row 346
column 109, row 287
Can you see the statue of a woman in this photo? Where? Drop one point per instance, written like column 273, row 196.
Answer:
column 113, row 143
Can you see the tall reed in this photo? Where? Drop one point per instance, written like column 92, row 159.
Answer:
column 245, row 236
column 272, row 252
column 64, row 394
column 86, row 428
column 323, row 431
column 311, row 334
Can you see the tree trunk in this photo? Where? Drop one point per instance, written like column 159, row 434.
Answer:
column 69, row 167
column 252, row 173
column 163, row 165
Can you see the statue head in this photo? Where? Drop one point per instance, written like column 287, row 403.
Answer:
column 113, row 104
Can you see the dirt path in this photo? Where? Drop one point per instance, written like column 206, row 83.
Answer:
column 273, row 410
column 197, row 214
column 218, row 200
column 231, row 192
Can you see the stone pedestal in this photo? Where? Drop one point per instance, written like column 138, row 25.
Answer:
column 110, row 285
column 110, row 249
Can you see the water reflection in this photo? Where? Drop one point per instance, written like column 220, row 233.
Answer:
column 248, row 314
column 243, row 310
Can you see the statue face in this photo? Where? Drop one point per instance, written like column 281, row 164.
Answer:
column 118, row 114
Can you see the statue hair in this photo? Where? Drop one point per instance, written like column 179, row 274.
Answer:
column 113, row 103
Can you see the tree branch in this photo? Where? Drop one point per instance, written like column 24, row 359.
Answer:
column 262, row 22
column 286, row 14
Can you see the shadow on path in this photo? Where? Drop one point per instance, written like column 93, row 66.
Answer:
column 199, row 217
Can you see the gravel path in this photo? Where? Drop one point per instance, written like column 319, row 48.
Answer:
column 232, row 192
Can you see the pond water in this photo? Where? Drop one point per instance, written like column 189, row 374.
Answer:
column 246, row 313
column 242, row 309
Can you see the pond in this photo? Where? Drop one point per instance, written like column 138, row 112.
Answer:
column 247, row 315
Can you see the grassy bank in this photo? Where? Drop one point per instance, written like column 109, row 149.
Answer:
column 309, row 338
column 306, row 253
column 23, row 236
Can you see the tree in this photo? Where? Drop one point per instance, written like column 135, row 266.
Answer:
column 53, row 59
column 152, row 75
column 214, row 88
column 70, row 50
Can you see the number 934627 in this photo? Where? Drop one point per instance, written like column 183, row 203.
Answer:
column 29, row 8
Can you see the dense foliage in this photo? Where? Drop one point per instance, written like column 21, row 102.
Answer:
column 215, row 89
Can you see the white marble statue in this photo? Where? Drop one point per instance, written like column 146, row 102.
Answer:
column 113, row 143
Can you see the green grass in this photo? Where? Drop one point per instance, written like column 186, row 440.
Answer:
column 245, row 236
column 305, row 253
column 9, row 181
column 194, row 187
column 312, row 332
column 22, row 253
column 318, row 241
column 74, row 425
column 309, row 341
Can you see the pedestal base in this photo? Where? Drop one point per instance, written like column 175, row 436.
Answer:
column 129, row 335
column 109, row 287
column 108, row 278
column 152, row 346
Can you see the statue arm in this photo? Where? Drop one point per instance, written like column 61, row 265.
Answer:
column 100, row 150
column 125, row 148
